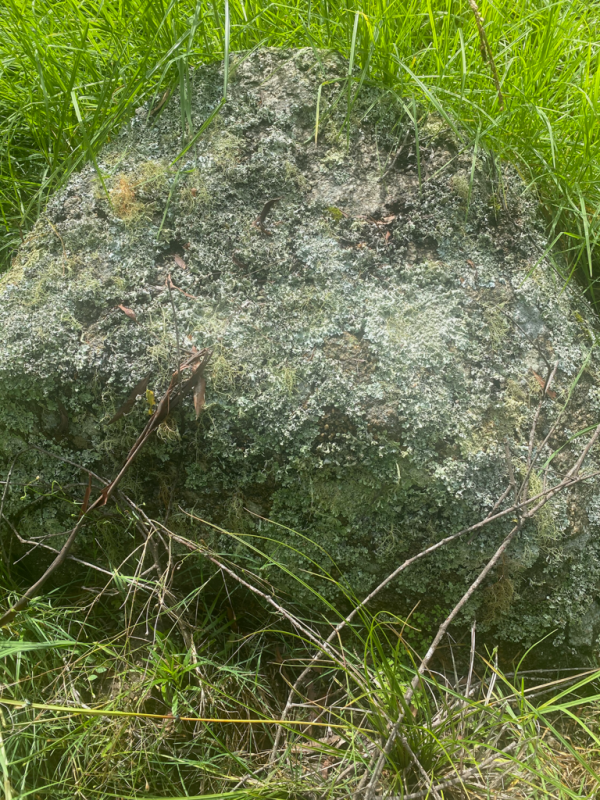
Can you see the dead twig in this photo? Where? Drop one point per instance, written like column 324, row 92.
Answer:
column 571, row 476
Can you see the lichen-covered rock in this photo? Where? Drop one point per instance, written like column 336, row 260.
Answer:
column 377, row 339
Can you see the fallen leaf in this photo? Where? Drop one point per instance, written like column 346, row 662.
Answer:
column 388, row 236
column 86, row 497
column 180, row 262
column 138, row 389
column 163, row 100
column 199, row 395
column 260, row 220
column 470, row 263
column 128, row 312
column 194, row 192
column 550, row 392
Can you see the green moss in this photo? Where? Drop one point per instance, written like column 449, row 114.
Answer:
column 335, row 213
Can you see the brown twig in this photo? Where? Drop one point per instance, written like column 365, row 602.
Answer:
column 262, row 217
column 571, row 476
column 323, row 645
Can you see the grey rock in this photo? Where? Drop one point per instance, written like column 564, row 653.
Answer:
column 375, row 345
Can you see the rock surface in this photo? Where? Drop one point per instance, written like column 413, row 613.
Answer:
column 376, row 342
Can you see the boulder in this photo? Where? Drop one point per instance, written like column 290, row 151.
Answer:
column 383, row 312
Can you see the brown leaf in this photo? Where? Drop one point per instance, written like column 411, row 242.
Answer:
column 260, row 220
column 550, row 392
column 163, row 100
column 180, row 262
column 470, row 263
column 86, row 497
column 139, row 388
column 199, row 395
column 128, row 312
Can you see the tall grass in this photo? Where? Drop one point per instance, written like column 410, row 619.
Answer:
column 71, row 71
column 105, row 699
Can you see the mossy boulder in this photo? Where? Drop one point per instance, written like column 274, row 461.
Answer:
column 378, row 337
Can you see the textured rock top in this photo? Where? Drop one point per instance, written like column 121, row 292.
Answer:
column 377, row 339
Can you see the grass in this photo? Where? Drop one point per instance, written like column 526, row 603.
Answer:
column 71, row 72
column 105, row 698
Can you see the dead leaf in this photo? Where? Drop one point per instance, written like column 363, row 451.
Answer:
column 388, row 236
column 128, row 312
column 139, row 388
column 199, row 395
column 550, row 392
column 180, row 262
column 163, row 100
column 86, row 497
column 470, row 263
column 260, row 220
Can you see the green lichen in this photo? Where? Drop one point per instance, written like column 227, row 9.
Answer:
column 362, row 387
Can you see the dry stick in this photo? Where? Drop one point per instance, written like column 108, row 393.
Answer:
column 315, row 639
column 370, row 596
column 55, row 551
column 370, row 789
column 23, row 601
column 470, row 673
column 161, row 411
column 548, row 493
column 170, row 400
column 487, row 50
column 431, row 788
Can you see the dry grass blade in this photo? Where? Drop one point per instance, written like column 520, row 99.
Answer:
column 199, row 395
column 486, row 50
